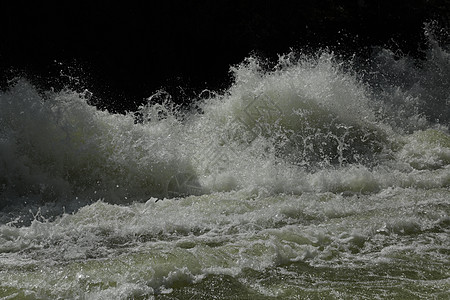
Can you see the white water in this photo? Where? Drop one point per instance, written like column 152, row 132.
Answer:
column 294, row 174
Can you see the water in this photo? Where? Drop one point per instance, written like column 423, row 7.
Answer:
column 320, row 178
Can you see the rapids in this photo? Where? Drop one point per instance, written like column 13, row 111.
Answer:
column 320, row 177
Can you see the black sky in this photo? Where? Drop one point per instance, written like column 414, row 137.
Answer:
column 123, row 52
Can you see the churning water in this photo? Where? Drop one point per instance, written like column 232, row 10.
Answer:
column 318, row 178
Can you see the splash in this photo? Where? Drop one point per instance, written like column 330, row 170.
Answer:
column 311, row 123
column 317, row 172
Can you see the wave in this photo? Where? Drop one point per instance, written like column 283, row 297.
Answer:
column 311, row 123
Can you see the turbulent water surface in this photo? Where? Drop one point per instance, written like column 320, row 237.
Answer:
column 320, row 178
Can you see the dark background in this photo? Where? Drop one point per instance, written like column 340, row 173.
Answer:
column 125, row 51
